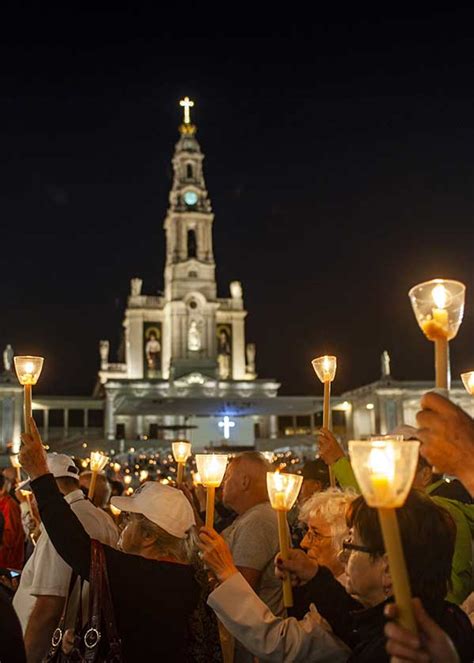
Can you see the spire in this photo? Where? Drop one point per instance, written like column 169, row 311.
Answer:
column 187, row 128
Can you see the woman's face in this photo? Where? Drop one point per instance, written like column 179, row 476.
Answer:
column 318, row 543
column 367, row 577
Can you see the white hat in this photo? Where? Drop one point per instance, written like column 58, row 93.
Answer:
column 60, row 466
column 165, row 506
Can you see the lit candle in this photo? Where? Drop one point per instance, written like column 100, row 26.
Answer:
column 97, row 464
column 28, row 370
column 385, row 470
column 325, row 369
column 181, row 452
column 439, row 307
column 211, row 468
column 283, row 490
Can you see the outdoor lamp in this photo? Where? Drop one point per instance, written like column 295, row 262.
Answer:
column 468, row 382
column 325, row 369
column 181, row 453
column 283, row 490
column 15, row 461
column 384, row 470
column 28, row 370
column 439, row 307
column 211, row 469
column 98, row 462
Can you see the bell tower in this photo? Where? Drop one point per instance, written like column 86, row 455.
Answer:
column 188, row 223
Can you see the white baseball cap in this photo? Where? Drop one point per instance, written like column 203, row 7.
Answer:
column 165, row 506
column 59, row 465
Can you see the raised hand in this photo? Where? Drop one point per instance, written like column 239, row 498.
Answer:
column 446, row 433
column 431, row 645
column 300, row 567
column 32, row 454
column 329, row 448
column 216, row 554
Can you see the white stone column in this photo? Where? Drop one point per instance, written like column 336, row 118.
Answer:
column 66, row 422
column 273, row 426
column 135, row 330
column 109, row 417
column 238, row 349
column 86, row 418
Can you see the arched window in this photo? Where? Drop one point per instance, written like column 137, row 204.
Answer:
column 192, row 247
column 189, row 171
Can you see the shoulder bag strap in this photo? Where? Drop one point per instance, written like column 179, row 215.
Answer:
column 58, row 633
column 93, row 634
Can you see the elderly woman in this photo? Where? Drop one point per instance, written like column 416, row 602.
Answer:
column 153, row 586
column 356, row 616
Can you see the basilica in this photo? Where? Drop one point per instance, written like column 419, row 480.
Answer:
column 189, row 371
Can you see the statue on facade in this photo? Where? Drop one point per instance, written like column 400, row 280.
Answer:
column 385, row 361
column 224, row 353
column 152, row 351
column 104, row 348
column 236, row 290
column 136, row 286
column 8, row 358
column 250, row 351
column 194, row 337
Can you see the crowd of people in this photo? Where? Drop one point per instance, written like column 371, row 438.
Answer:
column 135, row 576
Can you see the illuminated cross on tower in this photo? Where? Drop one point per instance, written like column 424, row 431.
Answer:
column 226, row 425
column 186, row 103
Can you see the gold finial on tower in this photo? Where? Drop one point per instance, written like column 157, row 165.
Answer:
column 187, row 127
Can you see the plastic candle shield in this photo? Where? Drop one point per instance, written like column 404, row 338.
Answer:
column 384, row 470
column 325, row 367
column 283, row 489
column 181, row 450
column 439, row 307
column 28, row 369
column 468, row 382
column 211, row 468
column 98, row 461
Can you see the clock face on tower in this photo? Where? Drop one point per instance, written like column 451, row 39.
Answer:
column 190, row 198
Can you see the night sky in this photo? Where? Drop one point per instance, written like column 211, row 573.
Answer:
column 339, row 162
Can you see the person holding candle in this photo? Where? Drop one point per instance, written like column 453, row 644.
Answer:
column 44, row 583
column 356, row 615
column 253, row 535
column 152, row 583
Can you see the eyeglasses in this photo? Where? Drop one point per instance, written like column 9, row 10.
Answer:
column 348, row 547
column 314, row 535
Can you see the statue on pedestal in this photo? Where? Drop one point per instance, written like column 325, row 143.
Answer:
column 104, row 347
column 250, row 351
column 136, row 286
column 385, row 362
column 224, row 353
column 8, row 358
column 236, row 290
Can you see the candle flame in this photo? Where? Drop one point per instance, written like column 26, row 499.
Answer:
column 381, row 462
column 440, row 295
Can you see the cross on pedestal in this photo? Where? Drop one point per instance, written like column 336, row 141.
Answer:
column 226, row 424
column 186, row 103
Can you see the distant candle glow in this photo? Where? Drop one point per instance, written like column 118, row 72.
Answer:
column 181, row 450
column 98, row 461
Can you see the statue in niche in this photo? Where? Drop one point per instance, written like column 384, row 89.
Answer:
column 236, row 290
column 104, row 348
column 152, row 350
column 136, row 287
column 224, row 353
column 194, row 337
column 251, row 351
column 385, row 361
column 8, row 358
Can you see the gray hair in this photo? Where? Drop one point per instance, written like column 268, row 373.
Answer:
column 331, row 504
column 183, row 550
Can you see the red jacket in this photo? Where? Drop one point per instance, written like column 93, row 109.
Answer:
column 12, row 547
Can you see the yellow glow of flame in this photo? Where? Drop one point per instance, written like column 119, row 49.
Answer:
column 98, row 461
column 381, row 462
column 440, row 295
column 127, row 479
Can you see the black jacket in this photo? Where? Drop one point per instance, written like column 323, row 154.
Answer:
column 362, row 628
column 153, row 600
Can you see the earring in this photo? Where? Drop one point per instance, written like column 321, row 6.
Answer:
column 387, row 591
